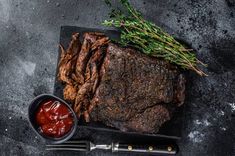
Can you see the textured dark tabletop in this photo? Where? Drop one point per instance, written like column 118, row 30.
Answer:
column 29, row 36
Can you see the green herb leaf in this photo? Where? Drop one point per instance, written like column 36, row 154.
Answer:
column 151, row 39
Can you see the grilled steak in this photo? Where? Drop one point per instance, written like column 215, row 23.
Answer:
column 119, row 87
column 136, row 92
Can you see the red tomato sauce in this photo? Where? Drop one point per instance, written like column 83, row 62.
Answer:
column 54, row 118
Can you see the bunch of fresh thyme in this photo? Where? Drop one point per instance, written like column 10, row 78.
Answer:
column 150, row 39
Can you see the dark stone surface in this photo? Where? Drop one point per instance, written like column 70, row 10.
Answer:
column 28, row 53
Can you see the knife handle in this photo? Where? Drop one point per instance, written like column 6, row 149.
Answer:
column 155, row 149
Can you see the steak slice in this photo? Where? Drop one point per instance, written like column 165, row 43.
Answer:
column 70, row 92
column 87, row 71
column 136, row 92
column 82, row 59
column 68, row 60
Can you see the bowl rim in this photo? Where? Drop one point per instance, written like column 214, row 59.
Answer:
column 61, row 139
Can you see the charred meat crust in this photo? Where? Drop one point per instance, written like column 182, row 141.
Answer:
column 156, row 115
column 135, row 87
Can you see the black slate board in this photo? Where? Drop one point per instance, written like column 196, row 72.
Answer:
column 171, row 129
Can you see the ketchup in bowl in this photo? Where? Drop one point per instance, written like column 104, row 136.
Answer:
column 54, row 118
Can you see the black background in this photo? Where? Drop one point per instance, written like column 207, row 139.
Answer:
column 29, row 40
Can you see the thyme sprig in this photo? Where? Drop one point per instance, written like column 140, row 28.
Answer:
column 150, row 39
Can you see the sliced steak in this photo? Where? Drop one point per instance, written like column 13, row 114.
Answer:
column 136, row 91
column 84, row 94
column 68, row 60
column 91, row 42
column 82, row 60
column 87, row 90
column 70, row 92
